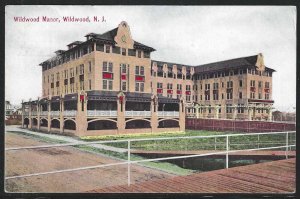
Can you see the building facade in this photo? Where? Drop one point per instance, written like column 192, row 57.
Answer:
column 108, row 84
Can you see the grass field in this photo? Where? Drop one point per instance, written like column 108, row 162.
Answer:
column 235, row 142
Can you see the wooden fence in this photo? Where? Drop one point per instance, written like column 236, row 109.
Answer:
column 237, row 125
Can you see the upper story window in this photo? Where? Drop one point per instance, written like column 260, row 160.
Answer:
column 267, row 84
column 81, row 71
column 139, row 70
column 107, row 48
column 229, row 84
column 52, row 78
column 90, row 66
column 188, row 87
column 123, row 68
column 57, row 76
column 252, row 83
column 241, row 83
column 139, row 53
column 71, row 72
column 66, row 74
column 179, row 87
column 124, row 51
column 169, row 86
column 216, row 86
column 259, row 84
column 207, row 86
column 107, row 67
column 159, row 85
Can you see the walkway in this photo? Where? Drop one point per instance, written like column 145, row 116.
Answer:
column 271, row 177
column 63, row 138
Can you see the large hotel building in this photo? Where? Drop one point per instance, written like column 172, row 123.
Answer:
column 109, row 84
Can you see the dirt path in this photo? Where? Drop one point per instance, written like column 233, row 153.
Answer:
column 50, row 159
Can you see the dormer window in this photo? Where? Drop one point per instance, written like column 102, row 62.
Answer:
column 107, row 48
column 124, row 51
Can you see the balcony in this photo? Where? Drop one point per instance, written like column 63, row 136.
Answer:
column 70, row 113
column 138, row 113
column 168, row 113
column 102, row 113
column 44, row 113
column 33, row 113
column 54, row 113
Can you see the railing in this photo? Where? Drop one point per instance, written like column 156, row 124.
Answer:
column 70, row 113
column 26, row 113
column 33, row 113
column 138, row 113
column 55, row 113
column 227, row 151
column 44, row 113
column 168, row 113
column 108, row 113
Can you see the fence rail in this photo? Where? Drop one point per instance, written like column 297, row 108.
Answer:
column 104, row 113
column 138, row 113
column 130, row 141
column 168, row 113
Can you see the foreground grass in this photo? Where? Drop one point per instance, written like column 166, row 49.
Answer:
column 190, row 144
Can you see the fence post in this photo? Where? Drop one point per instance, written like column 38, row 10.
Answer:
column 287, row 145
column 128, row 165
column 227, row 147
column 258, row 141
column 215, row 143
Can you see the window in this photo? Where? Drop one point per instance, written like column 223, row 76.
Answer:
column 241, row 83
column 259, row 84
column 267, row 84
column 229, row 84
column 124, row 86
column 216, row 86
column 107, row 48
column 137, row 70
column 188, row 87
column 215, row 95
column 57, row 76
column 267, row 96
column 207, row 86
column 240, row 95
column 81, row 72
column 108, row 67
column 228, row 108
column 90, row 84
column 259, row 95
column 252, row 95
column 137, row 86
column 110, row 85
column 229, row 95
column 169, row 86
column 107, row 84
column 178, row 96
column 124, row 51
column 179, row 87
column 141, row 87
column 142, row 70
column 90, row 66
column 123, row 68
column 81, row 85
column 252, row 83
column 139, row 54
column 240, row 108
column 188, row 98
column 222, row 84
column 159, row 85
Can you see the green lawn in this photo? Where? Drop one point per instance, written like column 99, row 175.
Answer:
column 235, row 142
